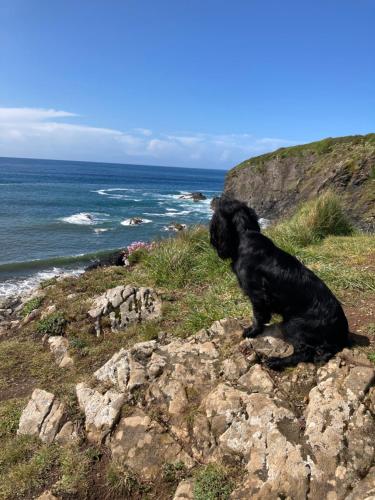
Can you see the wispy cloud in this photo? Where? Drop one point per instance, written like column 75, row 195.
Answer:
column 32, row 132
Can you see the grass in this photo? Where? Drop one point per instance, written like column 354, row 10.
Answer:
column 212, row 482
column 31, row 305
column 197, row 288
column 313, row 221
column 121, row 482
column 53, row 324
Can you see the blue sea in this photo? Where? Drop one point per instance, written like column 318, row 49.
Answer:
column 58, row 216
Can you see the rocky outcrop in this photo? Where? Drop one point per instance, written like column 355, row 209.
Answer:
column 305, row 433
column 125, row 305
column 195, row 196
column 274, row 184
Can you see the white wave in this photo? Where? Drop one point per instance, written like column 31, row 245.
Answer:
column 85, row 218
column 12, row 288
column 171, row 209
column 100, row 230
column 127, row 222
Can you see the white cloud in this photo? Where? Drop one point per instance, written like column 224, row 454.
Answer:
column 32, row 132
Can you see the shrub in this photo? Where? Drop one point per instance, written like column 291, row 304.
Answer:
column 31, row 305
column 312, row 222
column 53, row 324
column 212, row 483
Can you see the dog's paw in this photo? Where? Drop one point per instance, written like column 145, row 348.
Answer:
column 251, row 332
column 275, row 363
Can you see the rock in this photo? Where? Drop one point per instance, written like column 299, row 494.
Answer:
column 42, row 416
column 30, row 317
column 365, row 489
column 49, row 310
column 302, row 433
column 59, row 347
column 101, row 411
column 144, row 446
column 47, row 495
column 125, row 305
column 176, row 226
column 280, row 181
column 185, row 490
column 68, row 434
column 334, row 407
column 234, row 367
column 195, row 196
column 257, row 380
column 270, row 343
column 134, row 221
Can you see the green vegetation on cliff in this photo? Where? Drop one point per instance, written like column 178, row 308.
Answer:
column 275, row 183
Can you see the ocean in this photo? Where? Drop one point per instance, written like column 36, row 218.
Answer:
column 58, row 216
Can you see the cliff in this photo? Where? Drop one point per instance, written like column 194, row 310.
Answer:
column 274, row 183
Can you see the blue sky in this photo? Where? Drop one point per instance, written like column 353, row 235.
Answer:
column 204, row 83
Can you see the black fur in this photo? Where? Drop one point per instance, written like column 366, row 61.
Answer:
column 276, row 282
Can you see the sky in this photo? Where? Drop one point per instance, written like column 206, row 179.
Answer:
column 194, row 83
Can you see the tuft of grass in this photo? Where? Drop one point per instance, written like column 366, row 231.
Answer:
column 10, row 413
column 24, row 466
column 174, row 472
column 31, row 305
column 212, row 482
column 121, row 482
column 74, row 467
column 184, row 260
column 313, row 221
column 53, row 324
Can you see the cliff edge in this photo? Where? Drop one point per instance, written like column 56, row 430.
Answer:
column 274, row 183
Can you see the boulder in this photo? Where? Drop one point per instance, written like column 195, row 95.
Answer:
column 42, row 416
column 185, row 490
column 144, row 446
column 59, row 347
column 125, row 305
column 101, row 411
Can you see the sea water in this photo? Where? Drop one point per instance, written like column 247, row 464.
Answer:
column 58, row 216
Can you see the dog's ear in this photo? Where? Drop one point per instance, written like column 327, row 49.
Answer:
column 223, row 236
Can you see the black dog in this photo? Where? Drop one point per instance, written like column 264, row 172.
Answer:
column 276, row 282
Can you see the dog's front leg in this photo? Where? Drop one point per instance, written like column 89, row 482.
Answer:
column 262, row 315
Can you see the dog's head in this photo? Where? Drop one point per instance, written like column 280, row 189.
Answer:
column 230, row 219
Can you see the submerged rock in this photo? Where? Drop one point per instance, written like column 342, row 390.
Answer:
column 195, row 196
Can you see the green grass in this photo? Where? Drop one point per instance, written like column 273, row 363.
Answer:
column 121, row 482
column 313, row 221
column 31, row 305
column 212, row 482
column 53, row 324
